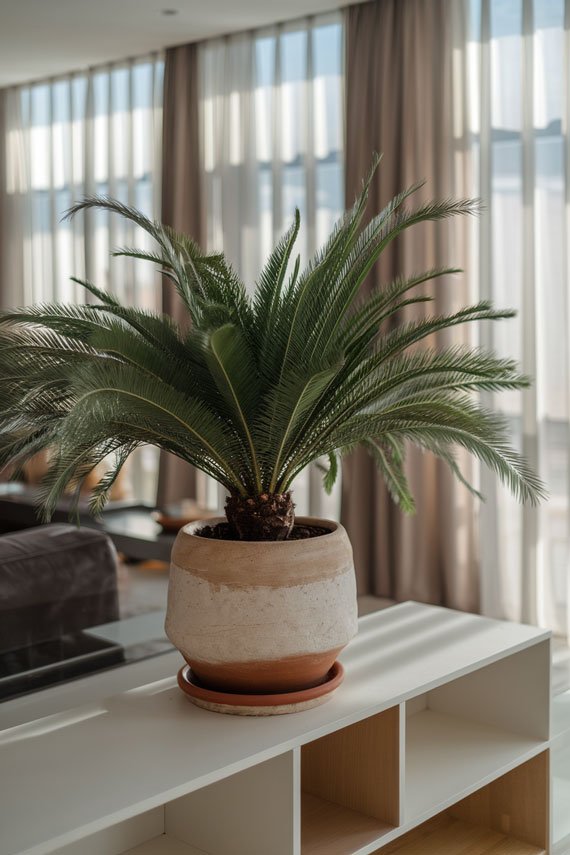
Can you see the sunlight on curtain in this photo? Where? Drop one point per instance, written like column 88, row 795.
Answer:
column 272, row 124
column 92, row 132
column 517, row 62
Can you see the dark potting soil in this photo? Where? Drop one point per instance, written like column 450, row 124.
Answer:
column 222, row 531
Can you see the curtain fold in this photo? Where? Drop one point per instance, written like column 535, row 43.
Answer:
column 4, row 296
column 183, row 210
column 399, row 101
column 15, row 203
column 518, row 60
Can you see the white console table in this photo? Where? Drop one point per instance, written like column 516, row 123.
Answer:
column 437, row 742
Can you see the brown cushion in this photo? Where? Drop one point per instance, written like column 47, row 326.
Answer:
column 55, row 579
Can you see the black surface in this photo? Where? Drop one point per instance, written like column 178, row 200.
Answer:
column 135, row 533
column 19, row 509
column 55, row 661
column 129, row 524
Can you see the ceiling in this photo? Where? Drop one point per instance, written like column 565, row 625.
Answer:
column 44, row 38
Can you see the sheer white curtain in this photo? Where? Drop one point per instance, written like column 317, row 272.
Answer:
column 515, row 122
column 91, row 132
column 272, row 126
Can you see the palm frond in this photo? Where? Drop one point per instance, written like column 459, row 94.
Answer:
column 143, row 255
column 288, row 407
column 268, row 294
column 235, row 374
column 254, row 389
column 100, row 493
column 389, row 459
column 330, row 472
column 364, row 322
column 104, row 296
column 188, row 289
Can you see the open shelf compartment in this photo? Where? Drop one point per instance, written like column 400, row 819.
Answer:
column 472, row 729
column 254, row 811
column 510, row 816
column 350, row 786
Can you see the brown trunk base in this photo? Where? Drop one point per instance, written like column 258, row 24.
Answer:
column 269, row 516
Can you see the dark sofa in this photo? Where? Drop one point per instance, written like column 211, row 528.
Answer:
column 55, row 580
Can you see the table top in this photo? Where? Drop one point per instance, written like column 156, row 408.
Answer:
column 134, row 532
column 115, row 757
column 129, row 524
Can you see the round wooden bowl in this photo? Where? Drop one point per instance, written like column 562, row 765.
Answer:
column 173, row 522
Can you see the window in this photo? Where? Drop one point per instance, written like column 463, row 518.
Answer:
column 90, row 133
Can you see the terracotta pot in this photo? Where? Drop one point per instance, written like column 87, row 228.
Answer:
column 261, row 617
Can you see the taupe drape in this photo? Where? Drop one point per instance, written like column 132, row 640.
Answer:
column 182, row 209
column 4, row 284
column 398, row 102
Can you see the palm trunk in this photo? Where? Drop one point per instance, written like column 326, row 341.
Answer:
column 269, row 516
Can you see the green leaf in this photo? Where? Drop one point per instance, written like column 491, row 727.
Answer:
column 330, row 473
column 295, row 400
column 235, row 374
column 391, row 465
column 104, row 296
column 100, row 492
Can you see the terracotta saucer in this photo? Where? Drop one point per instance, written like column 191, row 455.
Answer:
column 276, row 704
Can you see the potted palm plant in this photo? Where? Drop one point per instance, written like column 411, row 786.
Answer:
column 260, row 386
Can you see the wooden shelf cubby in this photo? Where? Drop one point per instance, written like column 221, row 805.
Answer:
column 509, row 816
column 472, row 728
column 436, row 744
column 350, row 790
